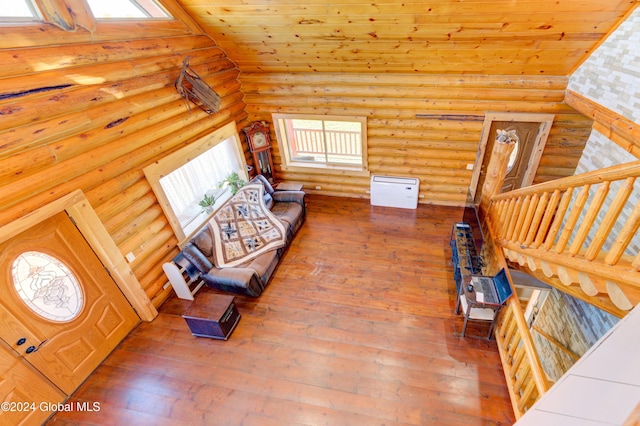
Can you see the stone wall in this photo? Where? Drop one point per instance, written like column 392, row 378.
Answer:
column 611, row 75
column 599, row 153
column 611, row 78
column 572, row 323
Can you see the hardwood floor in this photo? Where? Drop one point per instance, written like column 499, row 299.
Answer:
column 356, row 328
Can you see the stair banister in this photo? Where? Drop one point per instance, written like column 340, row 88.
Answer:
column 551, row 231
column 553, row 226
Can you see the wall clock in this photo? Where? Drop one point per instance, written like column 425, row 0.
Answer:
column 260, row 145
column 258, row 136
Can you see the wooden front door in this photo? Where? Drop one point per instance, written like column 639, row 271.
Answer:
column 527, row 133
column 24, row 390
column 532, row 131
column 59, row 308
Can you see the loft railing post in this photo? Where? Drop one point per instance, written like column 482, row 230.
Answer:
column 496, row 170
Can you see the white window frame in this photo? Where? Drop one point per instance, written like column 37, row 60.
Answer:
column 289, row 163
column 30, row 6
column 139, row 6
column 53, row 11
column 171, row 162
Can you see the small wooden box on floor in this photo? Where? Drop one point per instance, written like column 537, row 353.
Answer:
column 212, row 315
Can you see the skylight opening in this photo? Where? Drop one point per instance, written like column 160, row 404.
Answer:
column 127, row 9
column 18, row 10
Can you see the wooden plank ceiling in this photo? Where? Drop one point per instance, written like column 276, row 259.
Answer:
column 500, row 37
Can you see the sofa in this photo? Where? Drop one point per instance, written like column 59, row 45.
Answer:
column 249, row 278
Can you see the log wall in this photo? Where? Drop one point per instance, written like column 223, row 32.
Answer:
column 91, row 111
column 88, row 111
column 427, row 127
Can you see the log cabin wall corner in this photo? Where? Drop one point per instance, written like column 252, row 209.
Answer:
column 88, row 111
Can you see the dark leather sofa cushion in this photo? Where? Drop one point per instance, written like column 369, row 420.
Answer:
column 262, row 263
column 204, row 241
column 197, row 258
column 288, row 212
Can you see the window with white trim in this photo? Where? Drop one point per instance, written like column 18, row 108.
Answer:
column 27, row 10
column 331, row 142
column 127, row 9
column 182, row 179
column 186, row 186
column 19, row 10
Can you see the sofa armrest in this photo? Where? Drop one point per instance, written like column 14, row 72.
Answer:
column 237, row 280
column 289, row 196
column 197, row 258
column 263, row 180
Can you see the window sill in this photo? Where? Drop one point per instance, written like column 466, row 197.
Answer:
column 305, row 168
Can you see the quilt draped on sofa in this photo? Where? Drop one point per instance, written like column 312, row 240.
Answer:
column 244, row 228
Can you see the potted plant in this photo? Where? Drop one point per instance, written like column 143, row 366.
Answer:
column 207, row 203
column 233, row 181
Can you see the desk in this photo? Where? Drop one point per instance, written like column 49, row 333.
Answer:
column 466, row 263
column 474, row 310
column 464, row 257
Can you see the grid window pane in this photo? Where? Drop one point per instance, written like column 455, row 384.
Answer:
column 17, row 9
column 128, row 9
column 331, row 142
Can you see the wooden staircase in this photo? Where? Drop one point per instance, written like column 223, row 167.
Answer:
column 574, row 234
column 551, row 228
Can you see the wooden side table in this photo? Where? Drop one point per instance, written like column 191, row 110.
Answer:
column 288, row 186
column 212, row 315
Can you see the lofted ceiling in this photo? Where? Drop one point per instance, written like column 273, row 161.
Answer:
column 500, row 37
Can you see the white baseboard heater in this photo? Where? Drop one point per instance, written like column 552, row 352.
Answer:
column 390, row 191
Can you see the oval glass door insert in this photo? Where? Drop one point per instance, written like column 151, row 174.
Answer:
column 47, row 286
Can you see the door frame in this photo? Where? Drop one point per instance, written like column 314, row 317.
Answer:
column 545, row 122
column 91, row 227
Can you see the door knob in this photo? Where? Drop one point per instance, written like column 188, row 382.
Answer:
column 21, row 341
column 32, row 348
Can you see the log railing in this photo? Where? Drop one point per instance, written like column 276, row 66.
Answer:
column 326, row 142
column 576, row 233
column 579, row 231
column 526, row 380
column 525, row 377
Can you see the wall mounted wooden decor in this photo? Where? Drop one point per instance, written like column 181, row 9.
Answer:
column 193, row 88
